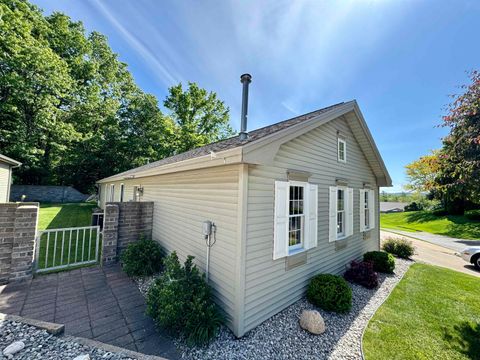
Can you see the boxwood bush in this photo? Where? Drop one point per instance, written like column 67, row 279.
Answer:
column 180, row 301
column 142, row 258
column 382, row 261
column 330, row 292
column 362, row 273
column 399, row 247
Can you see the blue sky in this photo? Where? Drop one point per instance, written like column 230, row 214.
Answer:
column 399, row 59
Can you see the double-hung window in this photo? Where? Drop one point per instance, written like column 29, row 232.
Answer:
column 342, row 150
column 367, row 209
column 340, row 212
column 112, row 192
column 295, row 218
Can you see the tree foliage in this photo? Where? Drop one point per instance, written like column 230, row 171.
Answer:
column 452, row 174
column 71, row 112
column 421, row 173
column 459, row 177
column 200, row 117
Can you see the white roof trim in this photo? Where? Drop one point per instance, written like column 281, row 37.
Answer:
column 10, row 161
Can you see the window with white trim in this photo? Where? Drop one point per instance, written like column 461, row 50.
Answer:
column 295, row 218
column 340, row 212
column 342, row 150
column 112, row 192
column 367, row 209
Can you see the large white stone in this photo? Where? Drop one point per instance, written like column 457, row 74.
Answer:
column 82, row 357
column 312, row 321
column 13, row 348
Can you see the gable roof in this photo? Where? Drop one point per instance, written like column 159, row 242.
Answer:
column 9, row 161
column 255, row 138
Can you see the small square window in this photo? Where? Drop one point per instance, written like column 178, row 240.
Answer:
column 342, row 150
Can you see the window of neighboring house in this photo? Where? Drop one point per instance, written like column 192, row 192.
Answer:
column 342, row 150
column 296, row 216
column 366, row 210
column 112, row 192
column 340, row 212
column 135, row 193
column 122, row 189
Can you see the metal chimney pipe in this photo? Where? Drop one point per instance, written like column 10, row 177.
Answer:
column 245, row 79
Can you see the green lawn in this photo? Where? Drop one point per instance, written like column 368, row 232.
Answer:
column 78, row 245
column 450, row 225
column 54, row 216
column 434, row 313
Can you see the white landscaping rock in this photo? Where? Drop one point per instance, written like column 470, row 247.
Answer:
column 13, row 348
column 312, row 321
column 82, row 357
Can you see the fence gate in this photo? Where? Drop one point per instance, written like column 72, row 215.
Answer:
column 57, row 249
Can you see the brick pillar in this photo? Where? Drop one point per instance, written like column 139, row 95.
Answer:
column 7, row 229
column 147, row 219
column 110, row 234
column 24, row 242
column 18, row 228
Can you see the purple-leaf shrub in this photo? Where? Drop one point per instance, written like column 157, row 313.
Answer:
column 362, row 273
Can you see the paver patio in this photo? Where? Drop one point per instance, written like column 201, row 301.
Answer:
column 96, row 303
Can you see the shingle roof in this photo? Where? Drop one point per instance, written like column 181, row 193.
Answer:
column 230, row 143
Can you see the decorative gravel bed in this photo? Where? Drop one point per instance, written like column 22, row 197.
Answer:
column 280, row 337
column 41, row 345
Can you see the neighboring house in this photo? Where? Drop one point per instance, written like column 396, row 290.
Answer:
column 389, row 207
column 294, row 199
column 6, row 166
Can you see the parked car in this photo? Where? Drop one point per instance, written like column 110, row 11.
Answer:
column 472, row 256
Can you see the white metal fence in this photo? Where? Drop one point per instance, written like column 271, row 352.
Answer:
column 57, row 249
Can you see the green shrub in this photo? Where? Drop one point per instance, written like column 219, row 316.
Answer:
column 382, row 261
column 330, row 292
column 440, row 212
column 473, row 215
column 413, row 206
column 399, row 247
column 180, row 301
column 142, row 258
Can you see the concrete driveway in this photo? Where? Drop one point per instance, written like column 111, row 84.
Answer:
column 435, row 255
column 451, row 243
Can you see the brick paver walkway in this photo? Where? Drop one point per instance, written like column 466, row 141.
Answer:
column 96, row 303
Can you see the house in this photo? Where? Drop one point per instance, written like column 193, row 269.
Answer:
column 6, row 166
column 291, row 200
column 389, row 207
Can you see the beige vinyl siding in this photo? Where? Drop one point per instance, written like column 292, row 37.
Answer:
column 5, row 170
column 182, row 201
column 269, row 287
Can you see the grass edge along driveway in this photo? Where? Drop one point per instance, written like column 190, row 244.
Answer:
column 451, row 225
column 433, row 313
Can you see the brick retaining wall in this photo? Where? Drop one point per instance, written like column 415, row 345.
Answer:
column 18, row 227
column 125, row 222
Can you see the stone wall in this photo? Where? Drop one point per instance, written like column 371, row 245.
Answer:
column 18, row 227
column 46, row 193
column 125, row 222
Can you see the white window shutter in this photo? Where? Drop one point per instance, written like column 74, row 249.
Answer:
column 332, row 214
column 280, row 230
column 362, row 210
column 349, row 228
column 371, row 201
column 311, row 222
